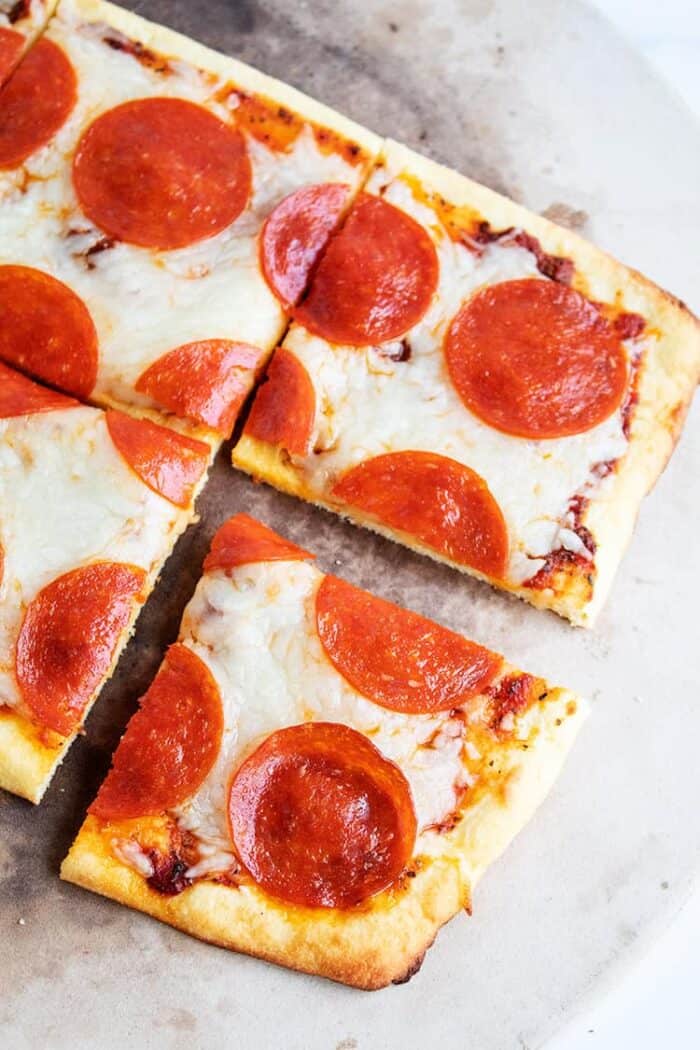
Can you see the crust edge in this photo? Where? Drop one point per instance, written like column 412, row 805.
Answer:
column 173, row 43
column 378, row 944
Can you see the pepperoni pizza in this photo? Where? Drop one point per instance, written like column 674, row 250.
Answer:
column 162, row 206
column 91, row 504
column 316, row 776
column 21, row 21
column 477, row 383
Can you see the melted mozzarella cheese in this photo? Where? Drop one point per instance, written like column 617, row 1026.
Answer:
column 256, row 632
column 68, row 499
column 368, row 404
column 145, row 302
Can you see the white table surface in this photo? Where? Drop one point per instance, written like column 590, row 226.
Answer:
column 656, row 1006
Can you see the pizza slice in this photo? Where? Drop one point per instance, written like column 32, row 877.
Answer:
column 21, row 22
column 479, row 384
column 161, row 208
column 91, row 504
column 316, row 776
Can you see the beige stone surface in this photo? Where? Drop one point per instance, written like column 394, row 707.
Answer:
column 545, row 102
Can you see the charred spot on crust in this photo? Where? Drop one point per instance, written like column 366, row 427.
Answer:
column 403, row 353
column 632, row 399
column 18, row 10
column 85, row 255
column 169, row 873
column 103, row 245
column 560, row 561
column 442, row 827
column 555, row 267
column 411, row 971
column 629, row 326
column 566, row 561
column 510, row 696
column 118, row 42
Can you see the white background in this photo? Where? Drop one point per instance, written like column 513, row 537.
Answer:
column 656, row 1007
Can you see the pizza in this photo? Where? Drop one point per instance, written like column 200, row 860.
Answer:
column 21, row 21
column 161, row 207
column 316, row 776
column 477, row 383
column 91, row 504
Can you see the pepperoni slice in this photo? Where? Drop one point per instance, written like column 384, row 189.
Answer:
column 376, row 279
column 169, row 746
column 11, row 44
column 19, row 396
column 285, row 405
column 169, row 463
column 161, row 173
column 68, row 639
column 36, row 100
column 535, row 359
column 45, row 329
column 295, row 234
column 207, row 381
column 320, row 818
column 242, row 540
column 439, row 501
column 395, row 657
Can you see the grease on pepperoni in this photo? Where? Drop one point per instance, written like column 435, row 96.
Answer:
column 169, row 463
column 206, row 381
column 376, row 279
column 535, row 359
column 440, row 502
column 319, row 818
column 45, row 329
column 161, row 173
column 19, row 396
column 295, row 234
column 285, row 405
column 394, row 656
column 68, row 639
column 242, row 540
column 169, row 746
column 35, row 102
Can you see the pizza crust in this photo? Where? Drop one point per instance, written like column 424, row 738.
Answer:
column 173, row 44
column 384, row 940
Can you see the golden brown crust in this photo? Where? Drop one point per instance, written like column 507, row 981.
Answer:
column 384, row 940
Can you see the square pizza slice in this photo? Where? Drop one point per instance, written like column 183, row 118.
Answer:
column 21, row 22
column 91, row 504
column 316, row 776
column 161, row 208
column 479, row 384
